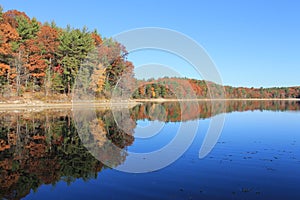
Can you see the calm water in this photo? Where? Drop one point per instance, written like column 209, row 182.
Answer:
column 45, row 154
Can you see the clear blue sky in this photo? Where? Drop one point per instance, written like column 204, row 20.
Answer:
column 252, row 42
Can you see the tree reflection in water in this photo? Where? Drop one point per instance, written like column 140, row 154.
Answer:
column 44, row 147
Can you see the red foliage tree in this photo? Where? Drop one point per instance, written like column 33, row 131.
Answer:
column 11, row 16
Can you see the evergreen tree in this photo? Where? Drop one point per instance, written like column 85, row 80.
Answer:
column 74, row 46
column 27, row 29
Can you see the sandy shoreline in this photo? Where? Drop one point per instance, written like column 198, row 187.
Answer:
column 124, row 103
column 104, row 104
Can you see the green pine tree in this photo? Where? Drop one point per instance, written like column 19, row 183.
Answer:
column 74, row 47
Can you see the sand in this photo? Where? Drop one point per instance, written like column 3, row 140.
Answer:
column 122, row 103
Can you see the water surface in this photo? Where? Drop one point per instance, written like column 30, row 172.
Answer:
column 42, row 155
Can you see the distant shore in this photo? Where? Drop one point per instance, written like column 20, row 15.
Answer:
column 121, row 103
column 233, row 99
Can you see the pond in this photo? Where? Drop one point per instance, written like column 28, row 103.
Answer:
column 152, row 151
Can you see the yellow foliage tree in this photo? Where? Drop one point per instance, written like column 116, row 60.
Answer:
column 98, row 79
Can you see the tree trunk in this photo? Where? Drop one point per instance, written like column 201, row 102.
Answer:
column 18, row 70
column 47, row 81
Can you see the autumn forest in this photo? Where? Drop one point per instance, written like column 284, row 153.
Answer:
column 42, row 61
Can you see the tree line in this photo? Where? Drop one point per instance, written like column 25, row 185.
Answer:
column 43, row 61
column 43, row 58
column 185, row 88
